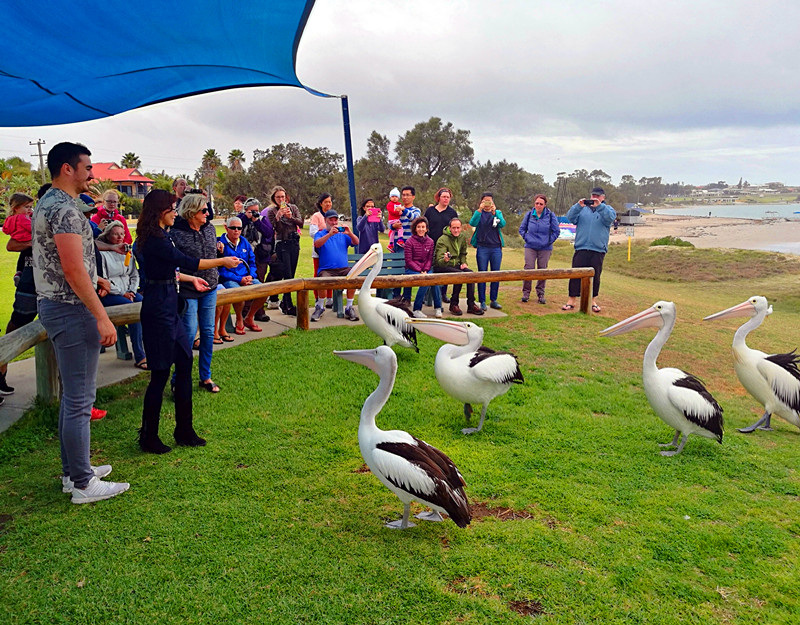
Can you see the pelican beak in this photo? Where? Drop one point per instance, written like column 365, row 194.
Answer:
column 446, row 330
column 364, row 357
column 745, row 309
column 650, row 318
column 365, row 262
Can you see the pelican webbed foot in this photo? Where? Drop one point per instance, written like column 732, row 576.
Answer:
column 403, row 523
column 674, row 442
column 675, row 452
column 430, row 515
column 761, row 424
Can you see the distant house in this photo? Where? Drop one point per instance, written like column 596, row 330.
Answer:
column 131, row 182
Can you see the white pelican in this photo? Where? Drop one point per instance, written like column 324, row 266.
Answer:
column 387, row 319
column 407, row 466
column 466, row 370
column 677, row 397
column 774, row 379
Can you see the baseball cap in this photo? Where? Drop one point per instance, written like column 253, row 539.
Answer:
column 331, row 213
column 87, row 203
column 598, row 191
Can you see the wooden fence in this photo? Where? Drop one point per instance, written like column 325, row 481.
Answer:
column 47, row 384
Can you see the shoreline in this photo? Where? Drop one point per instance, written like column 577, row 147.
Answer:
column 774, row 235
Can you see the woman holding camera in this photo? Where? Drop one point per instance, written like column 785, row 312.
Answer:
column 165, row 338
column 488, row 242
column 539, row 229
column 286, row 221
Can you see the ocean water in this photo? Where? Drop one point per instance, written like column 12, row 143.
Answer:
column 737, row 211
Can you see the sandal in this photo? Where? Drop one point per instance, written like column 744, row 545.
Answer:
column 595, row 308
column 568, row 307
column 252, row 326
column 226, row 338
column 217, row 340
column 239, row 330
column 142, row 364
column 209, row 386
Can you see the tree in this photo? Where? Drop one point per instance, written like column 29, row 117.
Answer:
column 512, row 186
column 434, row 153
column 101, row 186
column 207, row 173
column 377, row 172
column 130, row 161
column 235, row 160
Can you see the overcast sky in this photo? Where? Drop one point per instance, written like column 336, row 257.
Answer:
column 690, row 90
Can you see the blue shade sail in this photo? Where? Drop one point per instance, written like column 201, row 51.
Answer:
column 66, row 62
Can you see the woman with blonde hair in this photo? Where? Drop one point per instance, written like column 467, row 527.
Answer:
column 109, row 212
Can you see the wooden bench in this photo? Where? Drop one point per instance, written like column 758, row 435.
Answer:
column 394, row 264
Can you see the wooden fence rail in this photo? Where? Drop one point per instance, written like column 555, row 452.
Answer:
column 34, row 335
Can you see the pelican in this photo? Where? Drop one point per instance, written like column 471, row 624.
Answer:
column 677, row 397
column 466, row 370
column 407, row 466
column 774, row 380
column 385, row 318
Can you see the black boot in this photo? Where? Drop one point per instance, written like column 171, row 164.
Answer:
column 5, row 389
column 187, row 437
column 184, row 430
column 149, row 441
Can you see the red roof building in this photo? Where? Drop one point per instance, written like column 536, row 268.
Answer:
column 131, row 182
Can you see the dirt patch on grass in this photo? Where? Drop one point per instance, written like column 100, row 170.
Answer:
column 480, row 511
column 527, row 607
column 362, row 469
column 474, row 586
column 4, row 520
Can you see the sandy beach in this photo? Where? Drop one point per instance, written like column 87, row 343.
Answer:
column 781, row 235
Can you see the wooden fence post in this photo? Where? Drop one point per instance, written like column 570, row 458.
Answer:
column 302, row 310
column 48, row 384
column 586, row 295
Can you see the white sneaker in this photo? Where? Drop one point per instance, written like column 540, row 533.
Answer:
column 318, row 312
column 101, row 471
column 272, row 305
column 438, row 313
column 350, row 314
column 97, row 490
column 419, row 314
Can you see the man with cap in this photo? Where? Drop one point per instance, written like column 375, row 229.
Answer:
column 331, row 245
column 592, row 219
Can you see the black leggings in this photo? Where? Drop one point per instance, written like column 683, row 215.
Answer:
column 153, row 396
column 288, row 254
column 587, row 258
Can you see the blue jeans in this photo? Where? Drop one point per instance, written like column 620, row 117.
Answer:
column 201, row 312
column 72, row 330
column 134, row 329
column 421, row 291
column 487, row 256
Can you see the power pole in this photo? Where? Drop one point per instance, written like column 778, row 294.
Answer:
column 39, row 145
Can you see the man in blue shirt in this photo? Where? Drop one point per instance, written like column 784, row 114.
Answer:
column 592, row 219
column 331, row 245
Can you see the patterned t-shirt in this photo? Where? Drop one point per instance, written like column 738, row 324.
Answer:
column 57, row 213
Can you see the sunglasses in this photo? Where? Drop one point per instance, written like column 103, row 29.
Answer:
column 204, row 211
column 234, row 227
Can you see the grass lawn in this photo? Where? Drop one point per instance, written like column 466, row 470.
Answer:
column 578, row 519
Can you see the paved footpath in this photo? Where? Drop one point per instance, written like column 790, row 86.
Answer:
column 22, row 374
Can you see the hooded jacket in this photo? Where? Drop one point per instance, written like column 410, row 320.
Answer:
column 457, row 246
column 541, row 233
column 592, row 224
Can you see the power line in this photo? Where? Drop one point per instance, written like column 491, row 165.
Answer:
column 39, row 145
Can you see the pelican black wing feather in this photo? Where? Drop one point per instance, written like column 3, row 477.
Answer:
column 484, row 353
column 406, row 329
column 449, row 485
column 789, row 363
column 713, row 422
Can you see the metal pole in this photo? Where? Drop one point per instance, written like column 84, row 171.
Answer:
column 348, row 156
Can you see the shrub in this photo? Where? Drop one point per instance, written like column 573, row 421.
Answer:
column 671, row 241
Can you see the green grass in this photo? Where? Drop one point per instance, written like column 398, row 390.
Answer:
column 275, row 521
column 673, row 241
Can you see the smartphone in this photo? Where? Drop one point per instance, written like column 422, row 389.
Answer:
column 588, row 202
column 340, row 229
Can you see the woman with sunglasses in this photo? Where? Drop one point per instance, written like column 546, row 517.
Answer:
column 165, row 339
column 195, row 236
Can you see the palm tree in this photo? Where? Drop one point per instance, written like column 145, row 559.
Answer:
column 209, row 165
column 101, row 186
column 235, row 160
column 130, row 161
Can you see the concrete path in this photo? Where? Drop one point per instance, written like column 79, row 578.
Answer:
column 22, row 375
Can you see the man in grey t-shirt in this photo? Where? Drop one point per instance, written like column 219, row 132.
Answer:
column 71, row 313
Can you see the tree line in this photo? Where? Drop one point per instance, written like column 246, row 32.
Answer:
column 430, row 155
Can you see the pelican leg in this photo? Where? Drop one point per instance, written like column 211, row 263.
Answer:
column 674, row 442
column 480, row 425
column 403, row 523
column 467, row 412
column 761, row 424
column 430, row 515
column 679, row 449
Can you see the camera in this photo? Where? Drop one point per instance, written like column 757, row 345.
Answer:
column 340, row 229
column 588, row 202
column 191, row 191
